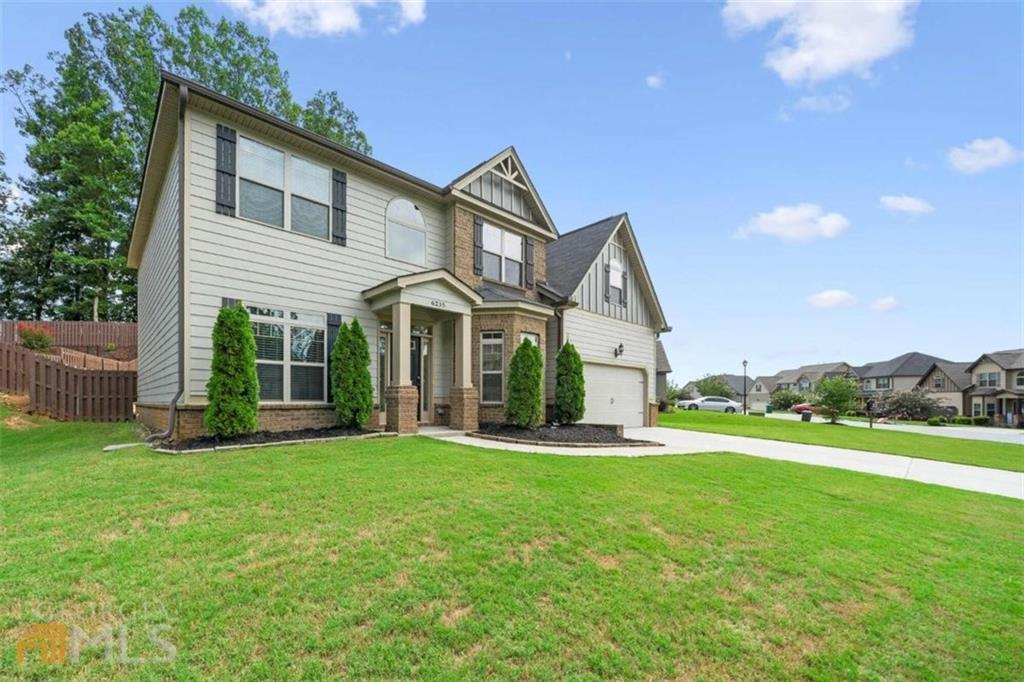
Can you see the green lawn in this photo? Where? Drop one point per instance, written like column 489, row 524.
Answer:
column 409, row 557
column 979, row 453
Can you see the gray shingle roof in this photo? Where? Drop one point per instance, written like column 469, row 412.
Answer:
column 957, row 372
column 662, row 366
column 1008, row 359
column 496, row 292
column 571, row 255
column 906, row 365
column 767, row 382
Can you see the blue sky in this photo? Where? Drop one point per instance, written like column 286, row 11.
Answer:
column 752, row 154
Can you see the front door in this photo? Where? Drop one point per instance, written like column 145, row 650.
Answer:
column 416, row 372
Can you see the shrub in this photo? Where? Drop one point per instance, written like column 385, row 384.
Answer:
column 981, row 420
column 524, row 407
column 836, row 395
column 111, row 347
column 351, row 384
column 35, row 337
column 714, row 385
column 233, row 391
column 915, row 404
column 570, row 390
column 962, row 420
column 784, row 399
column 935, row 421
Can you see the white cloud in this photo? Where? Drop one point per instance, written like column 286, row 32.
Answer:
column 655, row 81
column 885, row 304
column 821, row 40
column 800, row 223
column 983, row 154
column 301, row 18
column 831, row 103
column 903, row 203
column 832, row 298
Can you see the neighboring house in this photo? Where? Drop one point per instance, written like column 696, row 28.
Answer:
column 902, row 373
column 761, row 392
column 804, row 379
column 612, row 316
column 240, row 207
column 662, row 370
column 948, row 382
column 739, row 385
column 998, row 386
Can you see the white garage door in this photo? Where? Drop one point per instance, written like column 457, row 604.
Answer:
column 615, row 395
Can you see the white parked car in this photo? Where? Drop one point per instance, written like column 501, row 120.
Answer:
column 710, row 402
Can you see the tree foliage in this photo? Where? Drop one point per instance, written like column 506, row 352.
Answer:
column 714, row 385
column 836, row 396
column 570, row 389
column 524, row 405
column 915, row 404
column 233, row 390
column 63, row 248
column 351, row 383
column 783, row 399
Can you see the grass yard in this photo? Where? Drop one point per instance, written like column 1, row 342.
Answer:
column 960, row 450
column 409, row 557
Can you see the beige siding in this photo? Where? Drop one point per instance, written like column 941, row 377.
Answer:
column 596, row 336
column 158, row 298
column 263, row 265
column 986, row 366
column 590, row 293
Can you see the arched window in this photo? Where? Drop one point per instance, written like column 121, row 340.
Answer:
column 406, row 232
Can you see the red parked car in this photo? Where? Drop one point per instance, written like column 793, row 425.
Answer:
column 800, row 408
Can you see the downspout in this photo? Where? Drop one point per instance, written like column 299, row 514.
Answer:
column 172, row 409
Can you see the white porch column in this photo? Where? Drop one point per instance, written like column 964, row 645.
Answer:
column 401, row 339
column 463, row 351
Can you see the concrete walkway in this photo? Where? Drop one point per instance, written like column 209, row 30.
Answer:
column 681, row 442
column 990, row 433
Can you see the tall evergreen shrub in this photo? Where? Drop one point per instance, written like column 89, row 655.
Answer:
column 351, row 382
column 524, row 406
column 233, row 391
column 570, row 390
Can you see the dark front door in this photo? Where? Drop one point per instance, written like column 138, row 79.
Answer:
column 416, row 372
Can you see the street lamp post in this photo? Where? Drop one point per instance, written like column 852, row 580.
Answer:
column 744, row 387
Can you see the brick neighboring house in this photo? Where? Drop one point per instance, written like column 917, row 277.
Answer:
column 240, row 207
column 997, row 390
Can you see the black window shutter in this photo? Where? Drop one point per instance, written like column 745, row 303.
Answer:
column 607, row 282
column 625, row 287
column 226, row 144
column 229, row 302
column 528, row 258
column 333, row 325
column 339, row 208
column 478, row 245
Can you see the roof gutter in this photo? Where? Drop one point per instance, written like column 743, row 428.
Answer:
column 172, row 408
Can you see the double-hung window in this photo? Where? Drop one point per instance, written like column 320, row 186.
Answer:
column 299, row 373
column 502, row 255
column 615, row 281
column 883, row 383
column 937, row 382
column 406, row 232
column 492, row 367
column 283, row 190
column 1020, row 379
column 989, row 379
column 260, row 182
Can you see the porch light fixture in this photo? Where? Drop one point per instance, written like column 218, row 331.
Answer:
column 619, row 351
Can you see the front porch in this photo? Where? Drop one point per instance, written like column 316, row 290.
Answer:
column 424, row 319
column 1003, row 406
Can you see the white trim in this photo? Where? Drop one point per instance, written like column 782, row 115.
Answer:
column 501, row 372
column 437, row 274
column 415, row 228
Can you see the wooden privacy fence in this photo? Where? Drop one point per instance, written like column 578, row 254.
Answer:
column 80, row 360
column 95, row 336
column 68, row 393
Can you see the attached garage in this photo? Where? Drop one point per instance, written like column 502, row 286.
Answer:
column 615, row 395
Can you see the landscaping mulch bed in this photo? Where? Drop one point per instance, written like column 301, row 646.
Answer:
column 569, row 435
column 264, row 438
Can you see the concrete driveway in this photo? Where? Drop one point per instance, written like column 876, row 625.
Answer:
column 681, row 442
column 996, row 435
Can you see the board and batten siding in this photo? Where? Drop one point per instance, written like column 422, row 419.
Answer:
column 590, row 292
column 158, row 297
column 262, row 265
column 596, row 336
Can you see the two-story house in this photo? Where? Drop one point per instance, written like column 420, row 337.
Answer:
column 998, row 388
column 948, row 382
column 900, row 374
column 238, row 207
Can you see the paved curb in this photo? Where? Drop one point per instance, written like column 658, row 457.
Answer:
column 301, row 441
column 547, row 443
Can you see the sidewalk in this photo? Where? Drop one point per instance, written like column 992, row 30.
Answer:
column 989, row 433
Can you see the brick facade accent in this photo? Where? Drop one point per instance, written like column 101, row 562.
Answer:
column 401, row 413
column 462, row 245
column 464, row 409
column 652, row 414
column 512, row 324
column 284, row 417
